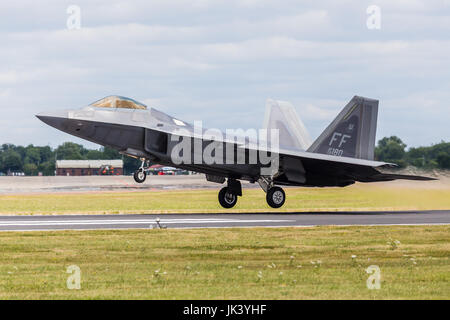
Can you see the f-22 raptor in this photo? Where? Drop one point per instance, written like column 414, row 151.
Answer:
column 342, row 155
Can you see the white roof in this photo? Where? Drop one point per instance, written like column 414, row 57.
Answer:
column 87, row 164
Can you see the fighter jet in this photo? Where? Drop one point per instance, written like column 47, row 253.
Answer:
column 279, row 155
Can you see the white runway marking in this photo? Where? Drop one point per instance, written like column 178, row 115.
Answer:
column 99, row 222
column 13, row 223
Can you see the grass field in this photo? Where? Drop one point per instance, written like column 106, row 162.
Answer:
column 278, row 263
column 258, row 263
column 355, row 198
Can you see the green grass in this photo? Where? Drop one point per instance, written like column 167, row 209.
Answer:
column 293, row 263
column 359, row 197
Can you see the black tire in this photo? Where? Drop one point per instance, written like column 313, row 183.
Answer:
column 226, row 199
column 140, row 176
column 275, row 197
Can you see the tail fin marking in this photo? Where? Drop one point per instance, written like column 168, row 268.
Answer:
column 352, row 132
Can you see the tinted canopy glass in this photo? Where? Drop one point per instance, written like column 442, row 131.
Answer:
column 118, row 102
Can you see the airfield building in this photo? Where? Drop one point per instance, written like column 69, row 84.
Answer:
column 89, row 167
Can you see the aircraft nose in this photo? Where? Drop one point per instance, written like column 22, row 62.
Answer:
column 53, row 118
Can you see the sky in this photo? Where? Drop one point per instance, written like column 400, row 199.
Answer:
column 219, row 61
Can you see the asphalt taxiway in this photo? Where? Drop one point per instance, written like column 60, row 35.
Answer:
column 229, row 220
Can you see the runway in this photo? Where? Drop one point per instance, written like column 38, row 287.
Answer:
column 189, row 221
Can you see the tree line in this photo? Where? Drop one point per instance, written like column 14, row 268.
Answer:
column 393, row 149
column 33, row 160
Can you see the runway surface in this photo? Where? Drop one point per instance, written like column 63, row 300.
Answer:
column 183, row 221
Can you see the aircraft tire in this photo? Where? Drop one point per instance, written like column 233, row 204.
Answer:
column 275, row 197
column 140, row 176
column 226, row 199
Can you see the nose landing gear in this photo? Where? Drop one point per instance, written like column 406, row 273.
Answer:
column 141, row 174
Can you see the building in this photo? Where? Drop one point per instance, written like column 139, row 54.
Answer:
column 89, row 167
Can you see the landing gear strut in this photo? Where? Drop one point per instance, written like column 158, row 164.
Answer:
column 141, row 174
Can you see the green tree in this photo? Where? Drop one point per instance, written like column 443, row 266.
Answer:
column 443, row 160
column 32, row 155
column 21, row 151
column 70, row 151
column 95, row 155
column 30, row 169
column 418, row 157
column 111, row 154
column 11, row 161
column 47, row 168
column 391, row 149
column 46, row 154
column 429, row 157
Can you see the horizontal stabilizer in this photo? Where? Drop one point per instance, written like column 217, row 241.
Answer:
column 390, row 177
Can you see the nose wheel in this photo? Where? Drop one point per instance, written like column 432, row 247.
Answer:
column 141, row 174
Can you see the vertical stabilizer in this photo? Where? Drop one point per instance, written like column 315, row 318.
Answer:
column 281, row 115
column 352, row 133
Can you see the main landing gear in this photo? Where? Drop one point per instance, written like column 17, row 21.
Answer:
column 141, row 174
column 275, row 196
column 228, row 195
column 226, row 198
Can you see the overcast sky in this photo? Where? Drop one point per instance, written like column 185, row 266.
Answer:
column 218, row 61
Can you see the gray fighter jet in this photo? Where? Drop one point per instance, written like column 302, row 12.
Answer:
column 340, row 156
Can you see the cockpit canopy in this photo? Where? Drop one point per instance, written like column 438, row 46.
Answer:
column 118, row 102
